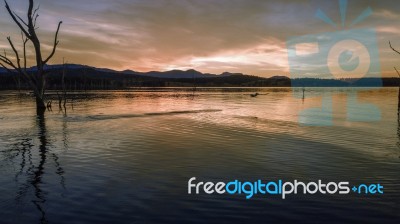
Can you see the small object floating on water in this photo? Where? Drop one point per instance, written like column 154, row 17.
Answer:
column 254, row 95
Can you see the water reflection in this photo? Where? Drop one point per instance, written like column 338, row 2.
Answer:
column 398, row 118
column 34, row 165
column 125, row 157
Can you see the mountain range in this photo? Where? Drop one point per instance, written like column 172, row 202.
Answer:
column 172, row 74
column 87, row 77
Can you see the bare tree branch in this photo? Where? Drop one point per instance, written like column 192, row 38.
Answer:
column 4, row 58
column 36, row 10
column 24, row 41
column 397, row 71
column 16, row 20
column 390, row 44
column 35, row 15
column 15, row 51
column 20, row 19
column 7, row 61
column 34, row 22
column 5, row 67
column 55, row 44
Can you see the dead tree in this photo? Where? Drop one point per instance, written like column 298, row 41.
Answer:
column 63, row 86
column 390, row 44
column 62, row 99
column 36, row 79
column 398, row 97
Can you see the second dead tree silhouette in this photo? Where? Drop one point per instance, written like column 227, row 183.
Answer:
column 398, row 98
column 62, row 98
column 398, row 73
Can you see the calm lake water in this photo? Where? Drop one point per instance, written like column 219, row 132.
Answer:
column 126, row 157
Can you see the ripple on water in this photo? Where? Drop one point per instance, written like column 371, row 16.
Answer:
column 124, row 159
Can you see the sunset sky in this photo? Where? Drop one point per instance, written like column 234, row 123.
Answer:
column 215, row 36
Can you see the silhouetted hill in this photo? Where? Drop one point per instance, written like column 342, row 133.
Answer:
column 82, row 77
column 175, row 74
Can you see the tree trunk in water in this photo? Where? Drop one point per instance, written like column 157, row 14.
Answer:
column 398, row 108
column 39, row 92
column 40, row 105
column 398, row 118
column 398, row 111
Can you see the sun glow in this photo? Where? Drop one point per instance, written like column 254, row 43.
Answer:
column 260, row 58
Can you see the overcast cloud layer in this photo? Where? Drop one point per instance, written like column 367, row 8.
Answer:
column 245, row 36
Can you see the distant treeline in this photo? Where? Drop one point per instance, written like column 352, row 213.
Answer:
column 92, row 79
